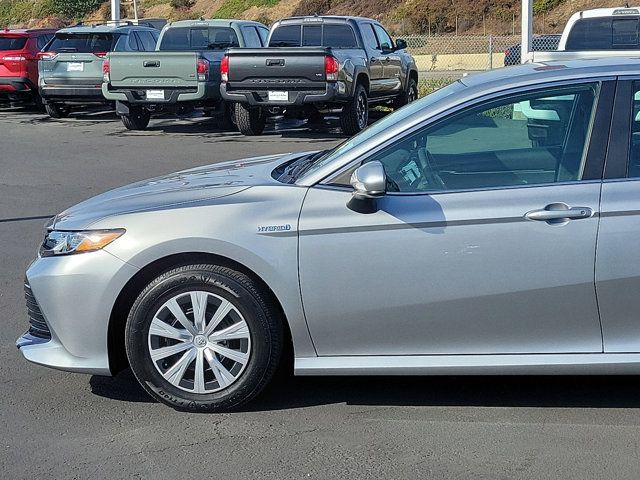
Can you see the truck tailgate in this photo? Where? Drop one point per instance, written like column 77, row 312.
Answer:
column 153, row 69
column 264, row 68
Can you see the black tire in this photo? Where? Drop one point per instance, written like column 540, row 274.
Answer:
column 56, row 110
column 226, row 120
column 355, row 114
column 138, row 118
column 408, row 96
column 250, row 120
column 265, row 327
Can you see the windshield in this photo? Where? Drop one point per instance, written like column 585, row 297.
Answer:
column 201, row 38
column 82, row 42
column 384, row 124
column 12, row 43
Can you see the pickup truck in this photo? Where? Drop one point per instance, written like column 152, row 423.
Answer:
column 316, row 65
column 181, row 74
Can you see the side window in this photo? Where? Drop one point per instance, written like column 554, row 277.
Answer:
column 132, row 42
column 264, row 35
column 42, row 41
column 633, row 169
column 369, row 37
column 383, row 38
column 251, row 38
column 338, row 36
column 311, row 35
column 527, row 139
column 147, row 42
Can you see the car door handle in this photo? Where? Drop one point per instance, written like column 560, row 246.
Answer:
column 558, row 212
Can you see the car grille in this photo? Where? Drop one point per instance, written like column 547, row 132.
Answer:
column 37, row 325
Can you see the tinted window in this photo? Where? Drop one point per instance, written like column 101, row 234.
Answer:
column 338, row 36
column 42, row 41
column 634, row 151
column 311, row 35
column 147, row 41
column 132, row 42
column 604, row 34
column 251, row 38
column 368, row 37
column 528, row 139
column 383, row 38
column 82, row 42
column 12, row 43
column 264, row 35
column 207, row 38
column 285, row 36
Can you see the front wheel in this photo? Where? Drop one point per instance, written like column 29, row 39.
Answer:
column 203, row 338
column 355, row 114
column 137, row 119
column 57, row 110
column 250, row 120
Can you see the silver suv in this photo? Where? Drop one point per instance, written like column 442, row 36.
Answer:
column 70, row 66
column 490, row 227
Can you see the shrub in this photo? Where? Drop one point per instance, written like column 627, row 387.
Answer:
column 75, row 8
column 182, row 4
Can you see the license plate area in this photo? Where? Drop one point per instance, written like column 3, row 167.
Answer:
column 155, row 94
column 275, row 96
column 75, row 67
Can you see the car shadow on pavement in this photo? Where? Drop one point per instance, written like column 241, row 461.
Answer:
column 288, row 392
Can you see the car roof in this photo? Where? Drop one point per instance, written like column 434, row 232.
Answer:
column 211, row 22
column 607, row 12
column 27, row 31
column 541, row 72
column 336, row 18
column 104, row 28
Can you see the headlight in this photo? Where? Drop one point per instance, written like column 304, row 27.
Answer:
column 64, row 243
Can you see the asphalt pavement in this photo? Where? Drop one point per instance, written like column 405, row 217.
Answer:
column 62, row 425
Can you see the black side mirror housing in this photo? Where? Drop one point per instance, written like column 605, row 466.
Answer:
column 401, row 44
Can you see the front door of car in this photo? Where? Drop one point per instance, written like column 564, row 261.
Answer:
column 375, row 59
column 391, row 60
column 484, row 243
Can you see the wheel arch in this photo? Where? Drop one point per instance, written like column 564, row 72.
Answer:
column 362, row 78
column 124, row 301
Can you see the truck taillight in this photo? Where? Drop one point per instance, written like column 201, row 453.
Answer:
column 106, row 70
column 224, row 69
column 203, row 69
column 331, row 67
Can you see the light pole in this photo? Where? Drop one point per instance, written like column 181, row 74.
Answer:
column 115, row 10
column 526, row 32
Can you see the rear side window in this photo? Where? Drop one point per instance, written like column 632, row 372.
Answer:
column 147, row 41
column 604, row 34
column 264, row 35
column 368, row 37
column 285, row 36
column 338, row 36
column 12, row 43
column 198, row 38
column 82, row 42
column 41, row 41
column 251, row 38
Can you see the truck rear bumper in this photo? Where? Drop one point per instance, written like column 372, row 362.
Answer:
column 202, row 92
column 334, row 93
column 76, row 93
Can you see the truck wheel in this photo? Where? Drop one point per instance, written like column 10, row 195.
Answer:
column 56, row 110
column 138, row 118
column 226, row 120
column 203, row 338
column 250, row 120
column 408, row 96
column 355, row 115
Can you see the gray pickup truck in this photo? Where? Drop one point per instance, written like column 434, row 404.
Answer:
column 317, row 65
column 181, row 74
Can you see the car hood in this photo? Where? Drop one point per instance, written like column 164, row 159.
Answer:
column 186, row 188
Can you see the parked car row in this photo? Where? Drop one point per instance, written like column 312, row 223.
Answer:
column 236, row 70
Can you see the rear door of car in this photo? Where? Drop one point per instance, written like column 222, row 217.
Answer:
column 618, row 255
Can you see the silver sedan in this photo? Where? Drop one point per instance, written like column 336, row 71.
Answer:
column 488, row 228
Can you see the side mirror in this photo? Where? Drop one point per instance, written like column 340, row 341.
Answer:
column 401, row 44
column 369, row 181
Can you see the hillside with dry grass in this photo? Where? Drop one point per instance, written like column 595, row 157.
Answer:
column 436, row 17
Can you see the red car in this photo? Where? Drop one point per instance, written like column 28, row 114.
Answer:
column 19, row 63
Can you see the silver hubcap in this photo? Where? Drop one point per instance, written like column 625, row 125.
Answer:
column 199, row 342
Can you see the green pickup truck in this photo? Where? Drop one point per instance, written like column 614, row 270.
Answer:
column 181, row 74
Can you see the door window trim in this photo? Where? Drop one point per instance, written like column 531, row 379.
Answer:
column 602, row 120
column 617, row 158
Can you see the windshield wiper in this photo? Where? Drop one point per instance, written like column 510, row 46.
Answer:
column 299, row 167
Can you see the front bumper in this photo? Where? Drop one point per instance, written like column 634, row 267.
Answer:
column 75, row 294
column 75, row 93
column 137, row 96
column 331, row 94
